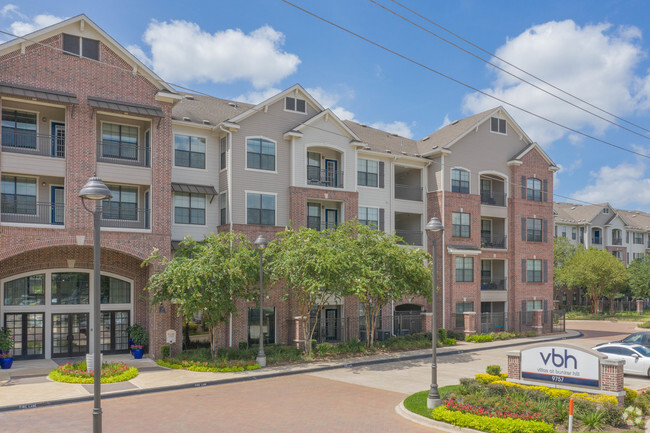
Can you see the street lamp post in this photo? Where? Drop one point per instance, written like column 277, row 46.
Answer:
column 95, row 190
column 261, row 357
column 433, row 400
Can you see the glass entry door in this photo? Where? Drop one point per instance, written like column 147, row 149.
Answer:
column 114, row 336
column 28, row 331
column 69, row 334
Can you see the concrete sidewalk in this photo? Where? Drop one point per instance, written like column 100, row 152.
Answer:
column 26, row 384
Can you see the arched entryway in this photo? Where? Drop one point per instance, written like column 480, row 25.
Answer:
column 408, row 319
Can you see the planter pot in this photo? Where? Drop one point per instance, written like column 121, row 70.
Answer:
column 5, row 363
column 137, row 353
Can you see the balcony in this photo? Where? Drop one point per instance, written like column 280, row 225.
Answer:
column 496, row 242
column 596, row 241
column 116, row 152
column 327, row 178
column 129, row 218
column 316, row 224
column 408, row 192
column 33, row 144
column 493, row 284
column 410, row 237
column 617, row 241
column 493, row 198
column 33, row 213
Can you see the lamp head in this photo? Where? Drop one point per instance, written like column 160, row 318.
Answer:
column 434, row 225
column 95, row 189
column 261, row 241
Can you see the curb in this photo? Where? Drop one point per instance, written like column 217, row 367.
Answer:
column 142, row 391
column 402, row 411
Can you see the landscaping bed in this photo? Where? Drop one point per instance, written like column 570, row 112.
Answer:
column 209, row 366
column 490, row 403
column 76, row 373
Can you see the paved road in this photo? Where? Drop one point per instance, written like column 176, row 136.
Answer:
column 359, row 399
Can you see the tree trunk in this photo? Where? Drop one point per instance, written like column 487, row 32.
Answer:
column 213, row 341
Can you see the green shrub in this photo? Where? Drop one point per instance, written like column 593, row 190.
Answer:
column 164, row 351
column 494, row 425
column 612, row 414
column 593, row 420
column 630, row 396
column 644, row 325
column 220, row 367
column 493, row 370
column 325, row 348
column 643, row 401
column 457, row 335
column 480, row 338
column 243, row 345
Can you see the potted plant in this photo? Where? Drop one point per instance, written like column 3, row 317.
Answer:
column 6, row 346
column 140, row 339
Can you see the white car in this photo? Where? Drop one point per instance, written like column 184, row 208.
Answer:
column 636, row 357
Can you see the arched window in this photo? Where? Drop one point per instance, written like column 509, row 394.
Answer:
column 534, row 189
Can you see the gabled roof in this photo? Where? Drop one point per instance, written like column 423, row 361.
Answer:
column 327, row 114
column 83, row 21
column 296, row 88
column 448, row 135
column 539, row 149
column 635, row 220
column 578, row 213
column 196, row 109
column 377, row 140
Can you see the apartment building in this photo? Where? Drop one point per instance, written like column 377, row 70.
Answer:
column 74, row 102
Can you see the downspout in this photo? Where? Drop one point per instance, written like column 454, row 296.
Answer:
column 444, row 248
column 229, row 202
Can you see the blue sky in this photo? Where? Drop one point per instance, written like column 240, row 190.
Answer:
column 598, row 51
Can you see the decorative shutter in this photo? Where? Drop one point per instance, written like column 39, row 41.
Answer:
column 381, row 174
column 523, row 270
column 545, row 311
column 545, row 230
column 627, row 237
column 523, row 306
column 523, row 229
column 545, row 190
column 523, row 187
column 545, row 268
column 381, row 219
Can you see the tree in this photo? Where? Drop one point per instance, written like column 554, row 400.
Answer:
column 639, row 274
column 207, row 277
column 306, row 264
column 378, row 270
column 563, row 250
column 597, row 271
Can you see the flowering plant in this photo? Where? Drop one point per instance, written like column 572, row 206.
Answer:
column 6, row 355
column 633, row 416
column 6, row 340
column 136, row 346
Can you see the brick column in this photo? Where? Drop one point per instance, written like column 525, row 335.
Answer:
column 514, row 365
column 639, row 306
column 611, row 373
column 538, row 321
column 426, row 322
column 297, row 340
column 469, row 318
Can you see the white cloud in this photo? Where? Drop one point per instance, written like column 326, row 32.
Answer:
column 181, row 51
column 621, row 186
column 255, row 97
column 396, row 127
column 140, row 54
column 576, row 164
column 594, row 62
column 446, row 121
column 11, row 9
column 344, row 114
column 20, row 28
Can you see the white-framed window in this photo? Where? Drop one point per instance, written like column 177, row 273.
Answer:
column 223, row 147
column 574, row 233
column 605, row 210
column 533, row 189
column 189, row 151
column 534, row 271
column 119, row 141
column 223, row 208
column 498, row 125
column 533, row 230
column 260, row 154
column 79, row 46
column 563, row 231
column 123, row 205
column 460, row 180
column 534, row 305
column 260, row 208
column 637, row 238
column 465, row 269
column 369, row 216
column 19, row 128
column 367, row 172
column 295, row 104
column 189, row 208
column 460, row 225
column 18, row 195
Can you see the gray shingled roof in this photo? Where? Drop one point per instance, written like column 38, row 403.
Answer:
column 380, row 141
column 449, row 133
column 635, row 219
column 576, row 213
column 198, row 108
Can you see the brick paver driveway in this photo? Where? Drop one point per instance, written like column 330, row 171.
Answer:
column 298, row 403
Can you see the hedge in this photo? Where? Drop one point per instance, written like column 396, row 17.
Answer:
column 494, row 425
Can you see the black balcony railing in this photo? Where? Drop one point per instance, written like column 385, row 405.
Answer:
column 126, row 218
column 408, row 192
column 493, row 198
column 327, row 178
column 316, row 224
column 410, row 237
column 493, row 284
column 617, row 241
column 116, row 152
column 33, row 213
column 498, row 242
column 596, row 241
column 32, row 143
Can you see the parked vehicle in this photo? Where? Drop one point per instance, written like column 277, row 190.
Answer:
column 642, row 338
column 636, row 356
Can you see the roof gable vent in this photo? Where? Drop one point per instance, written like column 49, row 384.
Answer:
column 455, row 122
column 366, row 147
column 190, row 97
column 206, row 122
column 388, row 151
column 187, row 119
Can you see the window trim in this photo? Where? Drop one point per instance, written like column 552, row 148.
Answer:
column 80, row 40
column 528, row 190
column 541, row 271
column 469, row 180
column 225, row 219
column 505, row 122
column 138, row 143
column 461, row 225
column 275, row 217
column 369, row 207
column 138, row 200
column 541, row 230
column 225, row 137
column 202, row 170
column 634, row 235
column 357, row 172
column 23, row 176
column 456, row 280
column 259, row 170
column 295, row 111
column 205, row 209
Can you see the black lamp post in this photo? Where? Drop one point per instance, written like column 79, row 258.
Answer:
column 433, row 400
column 261, row 357
column 95, row 190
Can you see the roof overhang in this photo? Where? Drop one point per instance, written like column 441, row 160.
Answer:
column 36, row 93
column 466, row 250
column 230, row 126
column 125, row 107
column 173, row 98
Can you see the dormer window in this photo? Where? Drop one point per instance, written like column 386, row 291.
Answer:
column 295, row 104
column 498, row 125
column 605, row 210
column 83, row 47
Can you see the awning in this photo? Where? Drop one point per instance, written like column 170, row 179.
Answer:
column 125, row 107
column 194, row 189
column 463, row 249
column 36, row 93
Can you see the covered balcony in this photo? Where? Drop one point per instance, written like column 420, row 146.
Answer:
column 124, row 141
column 408, row 183
column 33, row 129
column 128, row 209
column 493, row 190
column 408, row 226
column 324, row 167
column 493, row 233
column 26, row 201
column 596, row 236
column 323, row 214
column 493, row 275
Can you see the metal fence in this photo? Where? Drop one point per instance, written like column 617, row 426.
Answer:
column 340, row 330
column 326, row 177
column 620, row 305
column 517, row 321
column 33, row 213
column 33, row 144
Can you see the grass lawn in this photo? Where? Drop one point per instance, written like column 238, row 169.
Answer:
column 630, row 316
column 417, row 403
